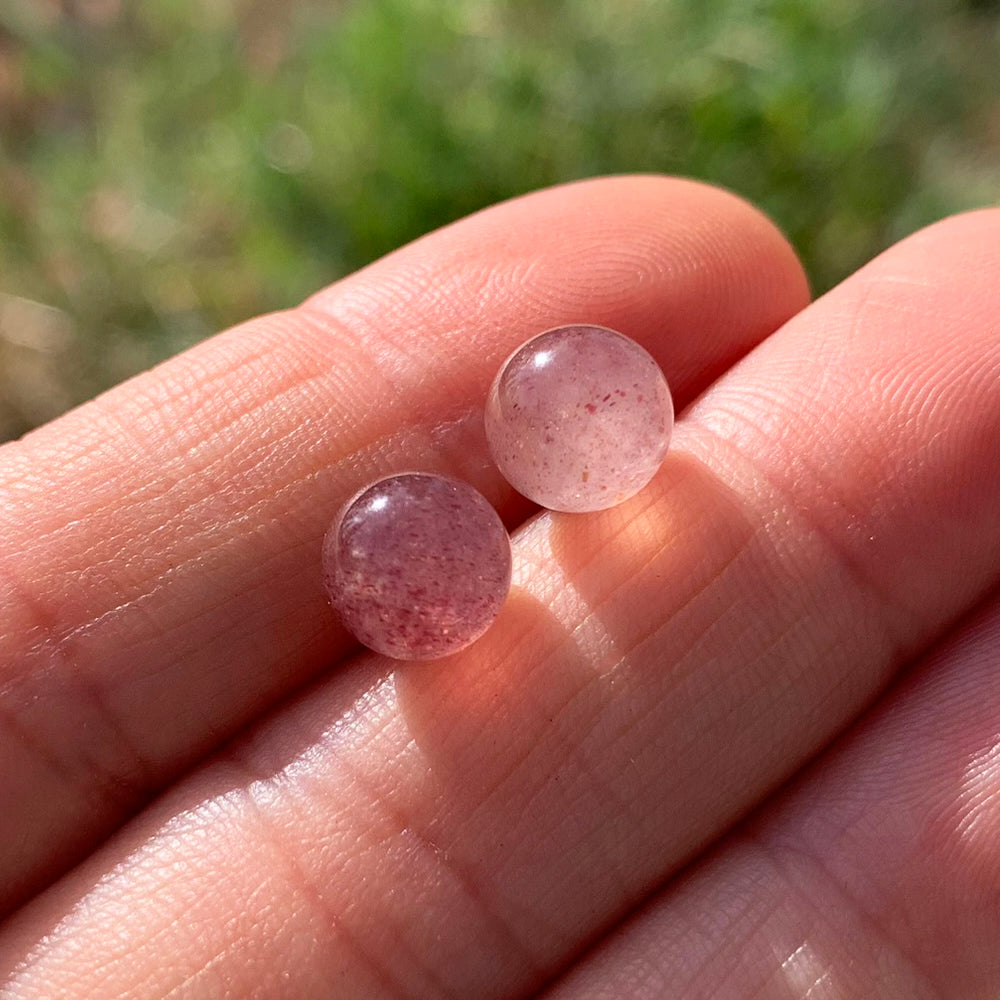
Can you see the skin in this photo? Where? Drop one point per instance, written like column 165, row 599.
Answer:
column 736, row 738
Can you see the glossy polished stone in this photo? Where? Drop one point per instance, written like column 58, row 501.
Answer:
column 579, row 418
column 417, row 565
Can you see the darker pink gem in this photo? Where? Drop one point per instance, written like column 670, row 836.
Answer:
column 417, row 565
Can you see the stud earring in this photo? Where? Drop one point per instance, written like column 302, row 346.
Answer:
column 417, row 565
column 579, row 418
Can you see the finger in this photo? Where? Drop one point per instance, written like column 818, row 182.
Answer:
column 160, row 546
column 466, row 827
column 876, row 875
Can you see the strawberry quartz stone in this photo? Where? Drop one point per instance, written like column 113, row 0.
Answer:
column 579, row 418
column 417, row 565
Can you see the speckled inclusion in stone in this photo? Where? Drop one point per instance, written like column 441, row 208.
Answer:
column 579, row 418
column 417, row 565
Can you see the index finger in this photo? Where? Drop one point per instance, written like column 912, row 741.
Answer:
column 160, row 545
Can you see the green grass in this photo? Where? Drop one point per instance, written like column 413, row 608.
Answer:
column 171, row 167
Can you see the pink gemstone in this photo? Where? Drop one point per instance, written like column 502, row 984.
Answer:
column 579, row 418
column 417, row 565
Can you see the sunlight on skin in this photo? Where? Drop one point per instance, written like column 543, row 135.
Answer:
column 536, row 564
column 808, row 976
column 979, row 800
column 748, row 925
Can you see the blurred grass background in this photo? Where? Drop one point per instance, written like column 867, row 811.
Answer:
column 170, row 167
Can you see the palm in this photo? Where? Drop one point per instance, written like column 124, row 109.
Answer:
column 611, row 794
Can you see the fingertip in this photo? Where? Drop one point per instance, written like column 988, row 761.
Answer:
column 694, row 272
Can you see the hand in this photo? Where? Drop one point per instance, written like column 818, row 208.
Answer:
column 660, row 772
